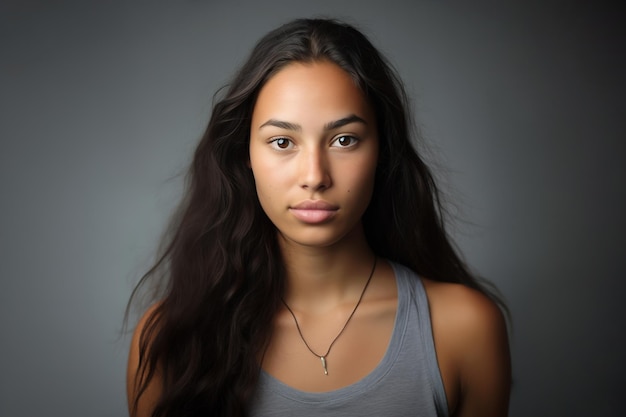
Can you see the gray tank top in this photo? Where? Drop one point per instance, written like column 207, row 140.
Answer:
column 406, row 382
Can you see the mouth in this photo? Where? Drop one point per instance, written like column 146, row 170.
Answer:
column 314, row 211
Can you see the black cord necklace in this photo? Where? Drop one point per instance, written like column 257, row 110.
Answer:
column 323, row 357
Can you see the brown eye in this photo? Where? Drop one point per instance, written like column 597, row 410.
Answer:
column 281, row 143
column 345, row 141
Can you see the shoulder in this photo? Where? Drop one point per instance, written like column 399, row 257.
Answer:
column 471, row 341
column 466, row 323
column 144, row 328
column 462, row 308
column 136, row 363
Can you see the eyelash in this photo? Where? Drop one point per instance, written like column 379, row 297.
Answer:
column 274, row 142
column 353, row 141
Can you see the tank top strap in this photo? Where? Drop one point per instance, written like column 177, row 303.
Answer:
column 407, row 280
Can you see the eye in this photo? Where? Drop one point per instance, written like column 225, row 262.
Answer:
column 345, row 141
column 281, row 143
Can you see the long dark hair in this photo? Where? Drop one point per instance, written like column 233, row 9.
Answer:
column 223, row 268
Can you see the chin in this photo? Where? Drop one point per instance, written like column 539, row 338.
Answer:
column 319, row 237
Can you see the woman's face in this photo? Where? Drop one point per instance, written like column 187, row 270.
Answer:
column 313, row 153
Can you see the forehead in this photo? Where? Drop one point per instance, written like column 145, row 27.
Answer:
column 310, row 93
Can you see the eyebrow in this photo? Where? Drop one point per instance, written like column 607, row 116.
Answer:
column 336, row 124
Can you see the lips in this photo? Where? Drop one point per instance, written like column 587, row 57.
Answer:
column 314, row 211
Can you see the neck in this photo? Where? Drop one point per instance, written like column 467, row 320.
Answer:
column 320, row 278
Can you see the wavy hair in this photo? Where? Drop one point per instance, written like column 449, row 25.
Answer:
column 221, row 260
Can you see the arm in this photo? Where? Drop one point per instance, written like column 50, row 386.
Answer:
column 472, row 349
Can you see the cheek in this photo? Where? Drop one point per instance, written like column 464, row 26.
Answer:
column 367, row 188
column 360, row 186
column 361, row 174
column 268, row 183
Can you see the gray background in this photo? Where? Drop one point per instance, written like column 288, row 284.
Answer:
column 101, row 104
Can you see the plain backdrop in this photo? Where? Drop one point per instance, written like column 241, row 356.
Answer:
column 101, row 104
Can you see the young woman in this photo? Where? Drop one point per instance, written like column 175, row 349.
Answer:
column 309, row 272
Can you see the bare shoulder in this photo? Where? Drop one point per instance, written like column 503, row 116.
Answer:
column 464, row 309
column 134, row 377
column 471, row 340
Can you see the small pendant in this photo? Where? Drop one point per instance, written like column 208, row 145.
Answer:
column 323, row 359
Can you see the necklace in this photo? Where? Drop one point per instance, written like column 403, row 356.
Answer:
column 323, row 357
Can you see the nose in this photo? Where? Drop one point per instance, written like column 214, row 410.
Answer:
column 314, row 170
